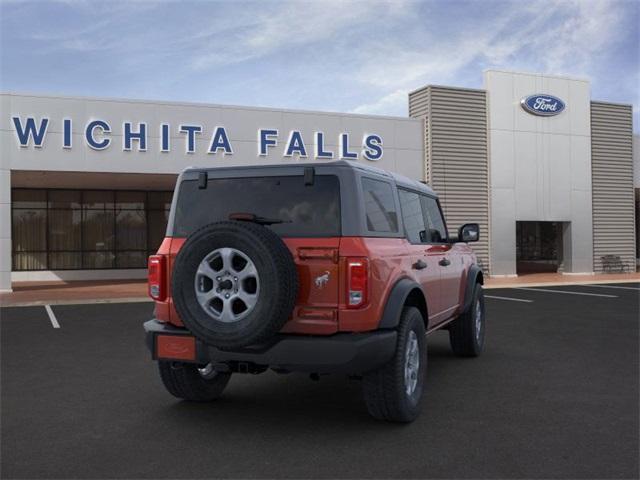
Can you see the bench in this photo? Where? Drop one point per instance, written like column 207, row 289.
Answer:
column 613, row 263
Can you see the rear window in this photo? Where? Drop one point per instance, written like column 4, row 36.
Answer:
column 306, row 210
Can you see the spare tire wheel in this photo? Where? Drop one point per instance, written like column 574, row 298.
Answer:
column 234, row 284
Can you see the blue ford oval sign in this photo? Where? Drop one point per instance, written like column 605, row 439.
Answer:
column 544, row 105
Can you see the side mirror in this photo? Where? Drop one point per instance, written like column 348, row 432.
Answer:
column 469, row 232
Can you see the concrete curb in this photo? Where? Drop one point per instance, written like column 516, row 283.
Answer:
column 561, row 284
column 41, row 303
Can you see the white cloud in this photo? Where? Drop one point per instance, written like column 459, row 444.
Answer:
column 554, row 37
column 394, row 103
column 363, row 56
column 104, row 32
column 290, row 25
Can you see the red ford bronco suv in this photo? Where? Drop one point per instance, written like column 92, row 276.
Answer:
column 317, row 268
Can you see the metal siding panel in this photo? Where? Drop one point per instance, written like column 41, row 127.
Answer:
column 457, row 155
column 612, row 180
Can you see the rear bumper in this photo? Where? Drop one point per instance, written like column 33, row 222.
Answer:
column 350, row 353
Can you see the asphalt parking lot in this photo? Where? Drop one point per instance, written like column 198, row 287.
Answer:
column 555, row 395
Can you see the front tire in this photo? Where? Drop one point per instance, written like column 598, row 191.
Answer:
column 192, row 383
column 395, row 391
column 466, row 333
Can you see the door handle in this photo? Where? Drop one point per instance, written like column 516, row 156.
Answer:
column 419, row 265
column 444, row 262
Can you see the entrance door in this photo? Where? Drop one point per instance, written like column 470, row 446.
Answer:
column 538, row 247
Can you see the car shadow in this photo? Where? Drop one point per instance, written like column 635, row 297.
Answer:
column 281, row 401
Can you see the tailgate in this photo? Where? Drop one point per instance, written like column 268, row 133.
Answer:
column 316, row 310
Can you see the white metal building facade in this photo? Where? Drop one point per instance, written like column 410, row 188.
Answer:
column 85, row 183
column 554, row 185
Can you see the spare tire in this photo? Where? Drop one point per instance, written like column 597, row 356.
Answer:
column 234, row 284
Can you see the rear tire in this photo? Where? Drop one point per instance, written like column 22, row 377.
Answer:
column 388, row 392
column 466, row 333
column 187, row 381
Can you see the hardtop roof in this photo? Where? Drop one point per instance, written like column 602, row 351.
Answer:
column 400, row 180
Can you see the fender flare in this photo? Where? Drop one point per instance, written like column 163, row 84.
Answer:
column 396, row 300
column 473, row 276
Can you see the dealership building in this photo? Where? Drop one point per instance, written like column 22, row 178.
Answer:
column 547, row 172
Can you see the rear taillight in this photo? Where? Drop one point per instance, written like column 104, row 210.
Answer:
column 357, row 282
column 157, row 279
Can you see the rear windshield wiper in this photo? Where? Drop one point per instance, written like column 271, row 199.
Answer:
column 252, row 217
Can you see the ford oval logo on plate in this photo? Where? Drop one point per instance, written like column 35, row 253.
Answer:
column 544, row 105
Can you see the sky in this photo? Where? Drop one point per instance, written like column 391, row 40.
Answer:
column 344, row 56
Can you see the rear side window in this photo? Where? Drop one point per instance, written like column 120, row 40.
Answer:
column 305, row 210
column 412, row 217
column 379, row 205
column 433, row 217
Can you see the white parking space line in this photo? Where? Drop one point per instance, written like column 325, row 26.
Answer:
column 567, row 292
column 509, row 298
column 52, row 317
column 611, row 286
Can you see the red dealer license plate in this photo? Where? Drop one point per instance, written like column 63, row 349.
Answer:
column 176, row 347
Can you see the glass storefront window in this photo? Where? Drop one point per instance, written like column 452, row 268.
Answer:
column 86, row 229
column 65, row 230
column 29, row 230
column 65, row 260
column 98, row 199
column 159, row 200
column 29, row 198
column 130, row 200
column 157, row 221
column 94, row 260
column 97, row 230
column 64, row 199
column 131, row 259
column 30, row 260
column 131, row 230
